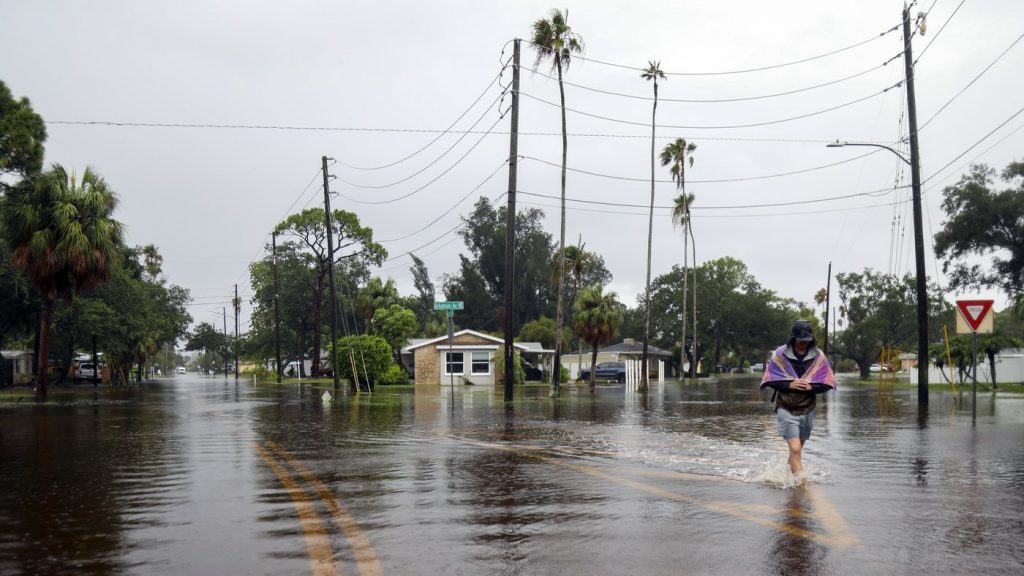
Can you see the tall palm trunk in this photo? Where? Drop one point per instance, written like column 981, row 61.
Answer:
column 44, row 337
column 556, row 373
column 593, row 368
column 686, row 264
column 693, row 368
column 650, row 234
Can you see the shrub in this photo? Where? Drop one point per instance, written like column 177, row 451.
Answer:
column 372, row 358
column 395, row 374
column 518, row 374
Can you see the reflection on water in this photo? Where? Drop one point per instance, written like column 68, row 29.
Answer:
column 689, row 479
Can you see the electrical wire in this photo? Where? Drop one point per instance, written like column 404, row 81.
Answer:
column 957, row 95
column 436, row 160
column 438, row 177
column 719, row 100
column 449, row 231
column 702, row 216
column 439, row 136
column 744, row 71
column 972, row 146
column 872, row 193
column 448, row 211
column 720, row 127
column 714, row 181
column 431, row 131
column 936, row 36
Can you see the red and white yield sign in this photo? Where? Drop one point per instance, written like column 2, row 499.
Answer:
column 975, row 316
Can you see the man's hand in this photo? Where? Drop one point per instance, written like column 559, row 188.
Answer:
column 800, row 384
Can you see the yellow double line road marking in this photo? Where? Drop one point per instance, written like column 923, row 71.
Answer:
column 318, row 544
column 837, row 535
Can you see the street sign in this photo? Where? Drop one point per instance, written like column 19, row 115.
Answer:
column 974, row 316
column 454, row 305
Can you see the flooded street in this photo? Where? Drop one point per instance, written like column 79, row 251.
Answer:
column 197, row 475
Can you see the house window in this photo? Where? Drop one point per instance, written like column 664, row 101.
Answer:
column 481, row 363
column 454, row 363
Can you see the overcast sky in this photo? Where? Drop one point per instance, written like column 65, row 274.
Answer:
column 371, row 83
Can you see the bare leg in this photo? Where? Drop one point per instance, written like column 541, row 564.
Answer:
column 796, row 464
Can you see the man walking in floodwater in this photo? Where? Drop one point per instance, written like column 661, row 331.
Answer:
column 798, row 372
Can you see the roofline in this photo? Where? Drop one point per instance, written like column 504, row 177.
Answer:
column 461, row 332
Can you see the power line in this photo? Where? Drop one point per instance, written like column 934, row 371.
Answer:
column 702, row 216
column 436, row 160
column 744, row 71
column 714, row 181
column 446, row 212
column 428, row 131
column 936, row 36
column 721, row 100
column 438, row 177
column 626, row 205
column 980, row 74
column 721, row 127
column 439, row 136
column 972, row 146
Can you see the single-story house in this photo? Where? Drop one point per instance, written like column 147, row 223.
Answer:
column 469, row 356
column 16, row 367
column 628, row 349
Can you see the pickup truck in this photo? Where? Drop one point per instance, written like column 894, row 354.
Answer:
column 614, row 371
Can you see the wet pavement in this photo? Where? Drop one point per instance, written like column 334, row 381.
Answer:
column 197, row 475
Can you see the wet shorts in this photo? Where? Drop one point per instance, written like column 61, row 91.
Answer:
column 793, row 426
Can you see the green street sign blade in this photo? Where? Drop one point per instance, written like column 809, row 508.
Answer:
column 454, row 305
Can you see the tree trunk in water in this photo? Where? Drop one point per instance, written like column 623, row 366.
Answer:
column 686, row 263
column 44, row 337
column 318, row 294
column 556, row 371
column 593, row 369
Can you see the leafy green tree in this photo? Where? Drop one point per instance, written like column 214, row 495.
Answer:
column 296, row 280
column 205, row 337
column 480, row 282
column 542, row 330
column 426, row 294
column 982, row 221
column 597, row 317
column 22, row 133
column 554, row 39
column 880, row 309
column 353, row 243
column 64, row 237
column 991, row 344
column 396, row 325
column 372, row 358
column 375, row 296
column 19, row 301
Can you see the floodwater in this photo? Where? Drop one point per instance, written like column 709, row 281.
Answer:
column 198, row 475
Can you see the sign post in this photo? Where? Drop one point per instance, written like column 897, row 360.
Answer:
column 449, row 311
column 974, row 314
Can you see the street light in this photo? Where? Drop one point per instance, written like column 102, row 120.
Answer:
column 922, row 289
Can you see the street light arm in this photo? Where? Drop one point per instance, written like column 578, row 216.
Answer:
column 838, row 144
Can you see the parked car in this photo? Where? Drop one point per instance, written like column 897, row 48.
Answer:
column 86, row 371
column 759, row 367
column 880, row 368
column 615, row 371
column 181, row 369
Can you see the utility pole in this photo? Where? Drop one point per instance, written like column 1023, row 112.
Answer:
column 238, row 306
column 915, row 182
column 277, row 315
column 224, row 356
column 330, row 274
column 510, row 227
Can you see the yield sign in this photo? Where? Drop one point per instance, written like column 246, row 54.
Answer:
column 975, row 312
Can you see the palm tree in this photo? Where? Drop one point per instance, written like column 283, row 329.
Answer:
column 554, row 39
column 63, row 237
column 374, row 296
column 676, row 155
column 597, row 319
column 652, row 73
